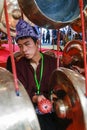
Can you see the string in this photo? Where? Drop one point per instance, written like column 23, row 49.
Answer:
column 38, row 83
column 10, row 47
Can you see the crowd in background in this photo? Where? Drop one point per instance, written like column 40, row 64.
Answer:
column 66, row 34
column 50, row 36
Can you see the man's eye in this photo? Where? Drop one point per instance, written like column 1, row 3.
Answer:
column 27, row 43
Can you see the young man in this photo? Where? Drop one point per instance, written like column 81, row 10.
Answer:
column 34, row 70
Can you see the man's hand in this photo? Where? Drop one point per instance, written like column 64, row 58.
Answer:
column 37, row 98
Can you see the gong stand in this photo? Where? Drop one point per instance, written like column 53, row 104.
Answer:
column 58, row 45
column 11, row 50
column 83, row 41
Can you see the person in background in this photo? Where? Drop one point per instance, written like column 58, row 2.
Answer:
column 33, row 70
column 54, row 37
column 43, row 37
column 48, row 36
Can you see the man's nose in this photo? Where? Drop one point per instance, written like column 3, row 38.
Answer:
column 24, row 48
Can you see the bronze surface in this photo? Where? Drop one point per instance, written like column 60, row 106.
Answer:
column 72, row 103
column 51, row 14
column 16, row 112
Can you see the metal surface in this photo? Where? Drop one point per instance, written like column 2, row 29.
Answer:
column 44, row 13
column 51, row 14
column 12, row 7
column 73, row 54
column 1, row 8
column 77, row 26
column 72, row 99
column 16, row 112
column 14, row 14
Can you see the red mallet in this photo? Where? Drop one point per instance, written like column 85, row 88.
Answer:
column 45, row 106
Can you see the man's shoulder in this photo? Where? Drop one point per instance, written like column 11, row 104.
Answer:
column 46, row 56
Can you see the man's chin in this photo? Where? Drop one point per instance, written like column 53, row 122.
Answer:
column 27, row 56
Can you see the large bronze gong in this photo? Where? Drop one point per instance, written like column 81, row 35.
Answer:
column 76, row 25
column 73, row 54
column 71, row 103
column 16, row 112
column 14, row 14
column 51, row 13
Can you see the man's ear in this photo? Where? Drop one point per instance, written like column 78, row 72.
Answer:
column 38, row 42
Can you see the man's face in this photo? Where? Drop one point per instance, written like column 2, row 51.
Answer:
column 27, row 47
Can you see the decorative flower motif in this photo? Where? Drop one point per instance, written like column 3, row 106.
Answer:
column 45, row 106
